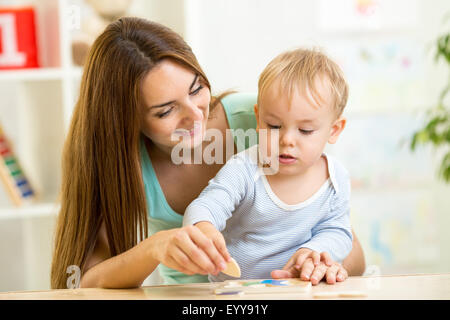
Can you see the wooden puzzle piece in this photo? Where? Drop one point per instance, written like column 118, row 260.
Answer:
column 252, row 283
column 274, row 283
column 232, row 269
column 264, row 286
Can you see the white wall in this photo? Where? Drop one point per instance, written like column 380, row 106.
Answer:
column 399, row 209
column 235, row 39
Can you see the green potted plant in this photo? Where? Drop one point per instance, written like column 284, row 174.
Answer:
column 436, row 131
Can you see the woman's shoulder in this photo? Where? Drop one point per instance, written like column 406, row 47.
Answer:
column 238, row 102
column 230, row 107
column 238, row 109
column 218, row 118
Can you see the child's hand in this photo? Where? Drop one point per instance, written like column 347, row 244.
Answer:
column 219, row 242
column 292, row 267
column 310, row 265
column 327, row 269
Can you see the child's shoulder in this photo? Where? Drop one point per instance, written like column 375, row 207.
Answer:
column 245, row 161
column 336, row 165
column 339, row 174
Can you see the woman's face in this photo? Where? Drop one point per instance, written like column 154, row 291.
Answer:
column 176, row 106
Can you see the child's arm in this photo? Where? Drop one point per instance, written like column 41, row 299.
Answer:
column 330, row 243
column 222, row 195
column 333, row 233
column 217, row 201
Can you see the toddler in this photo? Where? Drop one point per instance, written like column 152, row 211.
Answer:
column 295, row 196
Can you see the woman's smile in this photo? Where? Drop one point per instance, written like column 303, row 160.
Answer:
column 195, row 130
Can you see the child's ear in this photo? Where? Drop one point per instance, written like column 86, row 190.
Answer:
column 255, row 109
column 336, row 130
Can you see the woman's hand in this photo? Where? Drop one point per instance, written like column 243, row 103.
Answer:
column 217, row 238
column 310, row 265
column 187, row 250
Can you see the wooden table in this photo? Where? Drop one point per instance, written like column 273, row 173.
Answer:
column 421, row 286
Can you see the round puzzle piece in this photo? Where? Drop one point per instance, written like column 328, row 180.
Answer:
column 251, row 283
column 232, row 269
column 272, row 282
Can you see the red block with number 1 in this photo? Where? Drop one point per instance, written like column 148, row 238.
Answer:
column 18, row 48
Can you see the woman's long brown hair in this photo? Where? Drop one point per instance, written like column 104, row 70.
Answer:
column 102, row 180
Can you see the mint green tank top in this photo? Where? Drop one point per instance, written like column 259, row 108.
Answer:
column 239, row 111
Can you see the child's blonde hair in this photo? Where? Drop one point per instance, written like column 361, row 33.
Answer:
column 298, row 69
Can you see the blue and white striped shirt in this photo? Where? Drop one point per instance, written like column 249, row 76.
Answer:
column 261, row 231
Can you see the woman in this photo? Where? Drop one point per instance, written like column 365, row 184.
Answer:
column 141, row 85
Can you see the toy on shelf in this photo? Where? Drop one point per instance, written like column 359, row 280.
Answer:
column 17, row 185
column 18, row 45
column 105, row 12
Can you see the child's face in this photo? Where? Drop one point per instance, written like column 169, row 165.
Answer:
column 304, row 127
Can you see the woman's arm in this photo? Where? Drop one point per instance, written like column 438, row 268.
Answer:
column 126, row 270
column 355, row 263
column 176, row 248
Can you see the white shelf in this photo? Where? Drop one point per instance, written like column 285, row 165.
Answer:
column 76, row 73
column 30, row 211
column 31, row 74
column 40, row 74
